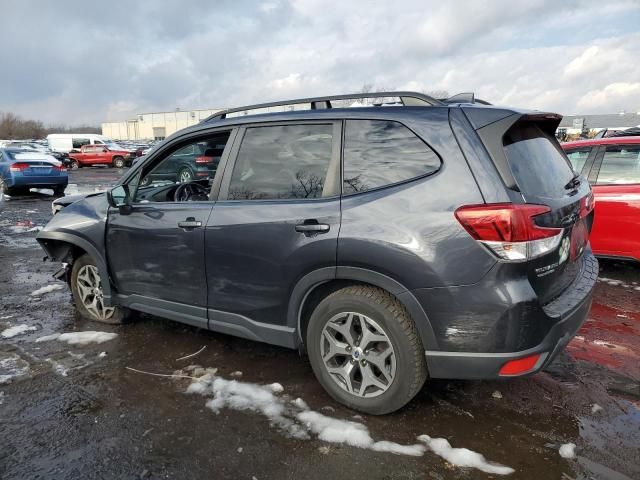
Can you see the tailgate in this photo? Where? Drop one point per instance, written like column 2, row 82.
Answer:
column 544, row 176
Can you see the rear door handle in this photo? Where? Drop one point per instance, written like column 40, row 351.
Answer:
column 312, row 228
column 190, row 223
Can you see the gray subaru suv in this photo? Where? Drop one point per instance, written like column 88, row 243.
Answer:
column 409, row 238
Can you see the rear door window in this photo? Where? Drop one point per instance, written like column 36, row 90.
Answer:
column 283, row 162
column 537, row 162
column 620, row 165
column 378, row 153
column 578, row 157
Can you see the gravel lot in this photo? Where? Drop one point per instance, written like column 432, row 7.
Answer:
column 72, row 411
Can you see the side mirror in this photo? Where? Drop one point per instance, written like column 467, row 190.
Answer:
column 118, row 197
column 105, row 150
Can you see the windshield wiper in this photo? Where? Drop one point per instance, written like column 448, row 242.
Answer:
column 573, row 183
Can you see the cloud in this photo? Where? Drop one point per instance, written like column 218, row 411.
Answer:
column 74, row 62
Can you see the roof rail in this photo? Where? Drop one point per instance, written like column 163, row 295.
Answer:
column 413, row 99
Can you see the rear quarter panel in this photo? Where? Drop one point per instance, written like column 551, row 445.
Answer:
column 409, row 232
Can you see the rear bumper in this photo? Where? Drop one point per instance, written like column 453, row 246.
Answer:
column 37, row 181
column 567, row 314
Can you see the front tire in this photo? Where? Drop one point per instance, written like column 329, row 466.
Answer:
column 365, row 350
column 86, row 287
column 74, row 165
column 118, row 162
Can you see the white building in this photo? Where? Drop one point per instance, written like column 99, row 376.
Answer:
column 156, row 125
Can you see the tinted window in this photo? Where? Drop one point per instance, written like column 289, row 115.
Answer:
column 282, row 162
column 538, row 164
column 78, row 142
column 578, row 158
column 620, row 165
column 379, row 152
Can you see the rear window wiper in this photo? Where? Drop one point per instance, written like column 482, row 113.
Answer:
column 573, row 183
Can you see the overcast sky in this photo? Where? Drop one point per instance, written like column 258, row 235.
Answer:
column 78, row 62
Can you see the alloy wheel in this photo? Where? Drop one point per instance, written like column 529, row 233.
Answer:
column 358, row 354
column 90, row 289
column 185, row 176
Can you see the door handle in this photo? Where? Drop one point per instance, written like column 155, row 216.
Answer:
column 311, row 228
column 190, row 223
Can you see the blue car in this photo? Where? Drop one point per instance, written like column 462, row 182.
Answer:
column 21, row 170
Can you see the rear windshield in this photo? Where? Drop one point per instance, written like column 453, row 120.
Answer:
column 538, row 164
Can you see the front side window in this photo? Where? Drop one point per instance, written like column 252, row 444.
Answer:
column 283, row 162
column 620, row 165
column 380, row 152
column 578, row 158
column 195, row 162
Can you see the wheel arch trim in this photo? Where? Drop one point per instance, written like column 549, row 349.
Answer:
column 307, row 284
column 88, row 247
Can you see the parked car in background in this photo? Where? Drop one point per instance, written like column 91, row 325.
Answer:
column 68, row 142
column 20, row 171
column 442, row 239
column 100, row 155
column 612, row 165
column 197, row 161
column 40, row 148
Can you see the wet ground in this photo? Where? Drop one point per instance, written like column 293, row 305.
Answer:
column 73, row 412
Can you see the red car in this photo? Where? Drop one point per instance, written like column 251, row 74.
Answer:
column 100, row 155
column 612, row 166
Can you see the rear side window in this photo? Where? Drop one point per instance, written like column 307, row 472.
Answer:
column 283, row 162
column 79, row 142
column 620, row 165
column 380, row 152
column 578, row 158
column 537, row 162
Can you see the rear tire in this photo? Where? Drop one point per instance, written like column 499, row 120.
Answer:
column 74, row 165
column 381, row 352
column 59, row 191
column 86, row 287
column 118, row 162
column 185, row 175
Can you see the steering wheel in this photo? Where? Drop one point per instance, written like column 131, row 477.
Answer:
column 191, row 192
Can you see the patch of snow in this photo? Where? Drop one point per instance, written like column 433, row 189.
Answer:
column 17, row 330
column 59, row 368
column 239, row 449
column 47, row 289
column 596, row 408
column 102, row 354
column 296, row 420
column 237, row 373
column 1, row 398
column 300, row 403
column 496, row 394
column 6, row 317
column 463, row 457
column 79, row 338
column 12, row 367
column 567, row 450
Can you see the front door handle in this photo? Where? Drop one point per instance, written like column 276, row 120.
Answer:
column 190, row 223
column 311, row 228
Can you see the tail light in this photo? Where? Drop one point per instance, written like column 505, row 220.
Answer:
column 204, row 159
column 509, row 230
column 18, row 167
column 60, row 168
